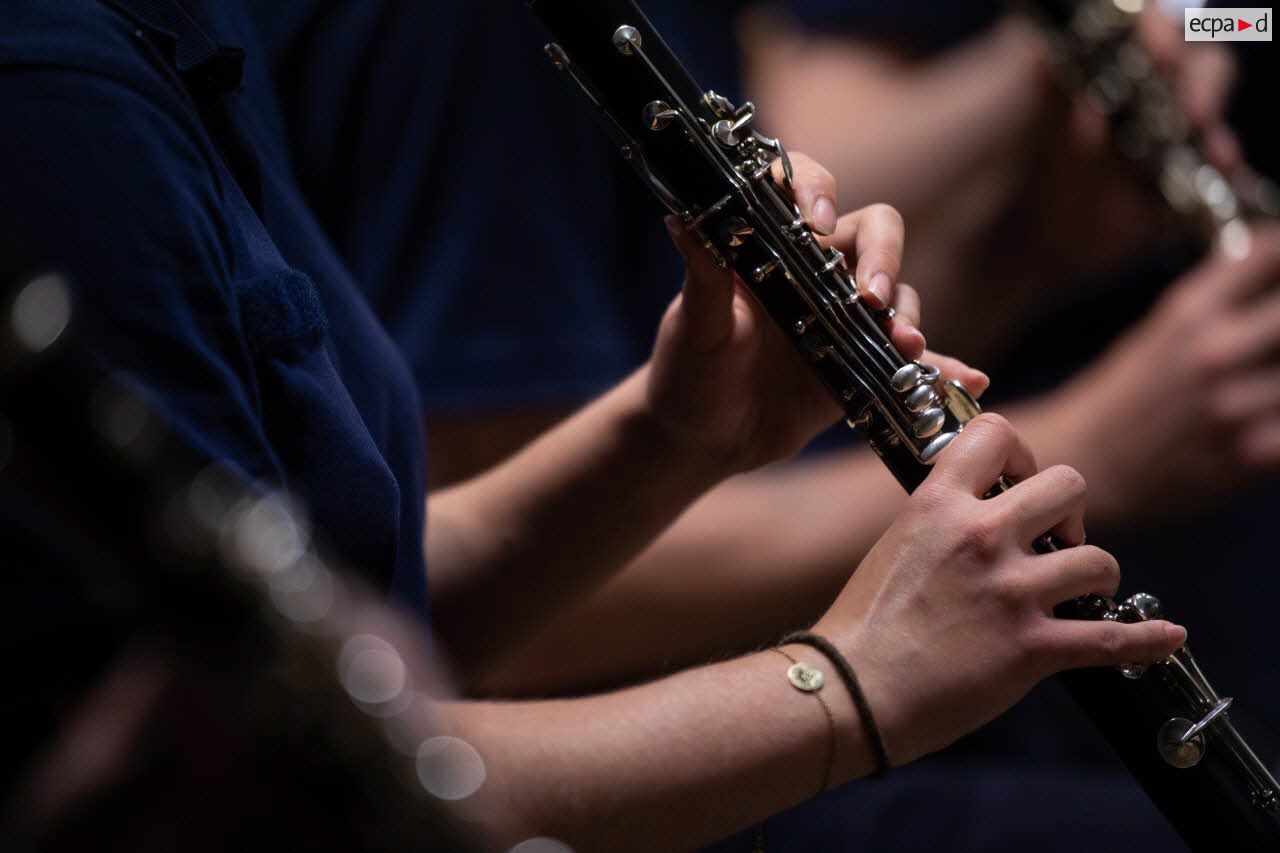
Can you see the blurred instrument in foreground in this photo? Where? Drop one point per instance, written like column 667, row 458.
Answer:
column 701, row 156
column 265, row 699
column 1098, row 48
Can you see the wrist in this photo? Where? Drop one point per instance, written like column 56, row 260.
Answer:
column 670, row 439
column 835, row 741
column 859, row 743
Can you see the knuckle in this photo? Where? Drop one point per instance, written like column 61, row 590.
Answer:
column 1068, row 481
column 1109, row 644
column 993, row 427
column 1012, row 591
column 1224, row 404
column 930, row 496
column 1212, row 354
column 1107, row 564
column 1102, row 565
column 799, row 159
column 810, row 170
column 1036, row 641
column 982, row 537
column 888, row 213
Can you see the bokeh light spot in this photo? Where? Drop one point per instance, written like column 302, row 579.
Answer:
column 450, row 768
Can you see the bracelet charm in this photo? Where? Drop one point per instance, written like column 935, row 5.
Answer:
column 806, row 678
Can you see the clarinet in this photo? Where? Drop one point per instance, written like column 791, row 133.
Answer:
column 700, row 155
column 1096, row 46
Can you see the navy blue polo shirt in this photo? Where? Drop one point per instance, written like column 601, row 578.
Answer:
column 202, row 275
column 202, row 270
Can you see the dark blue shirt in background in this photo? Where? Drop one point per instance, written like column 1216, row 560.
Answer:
column 513, row 255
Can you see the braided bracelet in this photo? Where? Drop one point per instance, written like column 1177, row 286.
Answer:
column 822, row 644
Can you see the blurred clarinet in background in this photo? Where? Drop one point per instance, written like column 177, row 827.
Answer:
column 262, row 698
column 1098, row 48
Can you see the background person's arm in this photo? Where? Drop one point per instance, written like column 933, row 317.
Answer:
column 758, row 555
column 1006, row 175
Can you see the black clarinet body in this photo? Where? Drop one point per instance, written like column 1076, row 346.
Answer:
column 221, row 575
column 702, row 158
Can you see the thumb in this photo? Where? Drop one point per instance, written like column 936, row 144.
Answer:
column 706, row 304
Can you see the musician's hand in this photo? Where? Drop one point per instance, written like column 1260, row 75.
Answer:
column 1200, row 75
column 948, row 619
column 1185, row 408
column 724, row 376
column 1094, row 212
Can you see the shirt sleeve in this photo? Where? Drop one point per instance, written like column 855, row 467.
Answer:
column 106, row 182
column 105, row 176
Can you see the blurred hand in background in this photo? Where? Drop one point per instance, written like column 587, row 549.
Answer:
column 1184, row 409
column 1006, row 174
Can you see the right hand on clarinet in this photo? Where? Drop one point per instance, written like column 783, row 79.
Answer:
column 949, row 620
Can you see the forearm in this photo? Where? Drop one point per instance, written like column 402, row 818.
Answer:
column 670, row 765
column 556, row 519
column 976, row 114
column 983, row 98
column 759, row 555
column 1067, row 426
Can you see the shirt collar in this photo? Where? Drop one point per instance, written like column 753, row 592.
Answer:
column 208, row 66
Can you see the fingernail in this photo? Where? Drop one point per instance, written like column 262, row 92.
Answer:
column 881, row 287
column 673, row 225
column 824, row 216
column 1175, row 633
